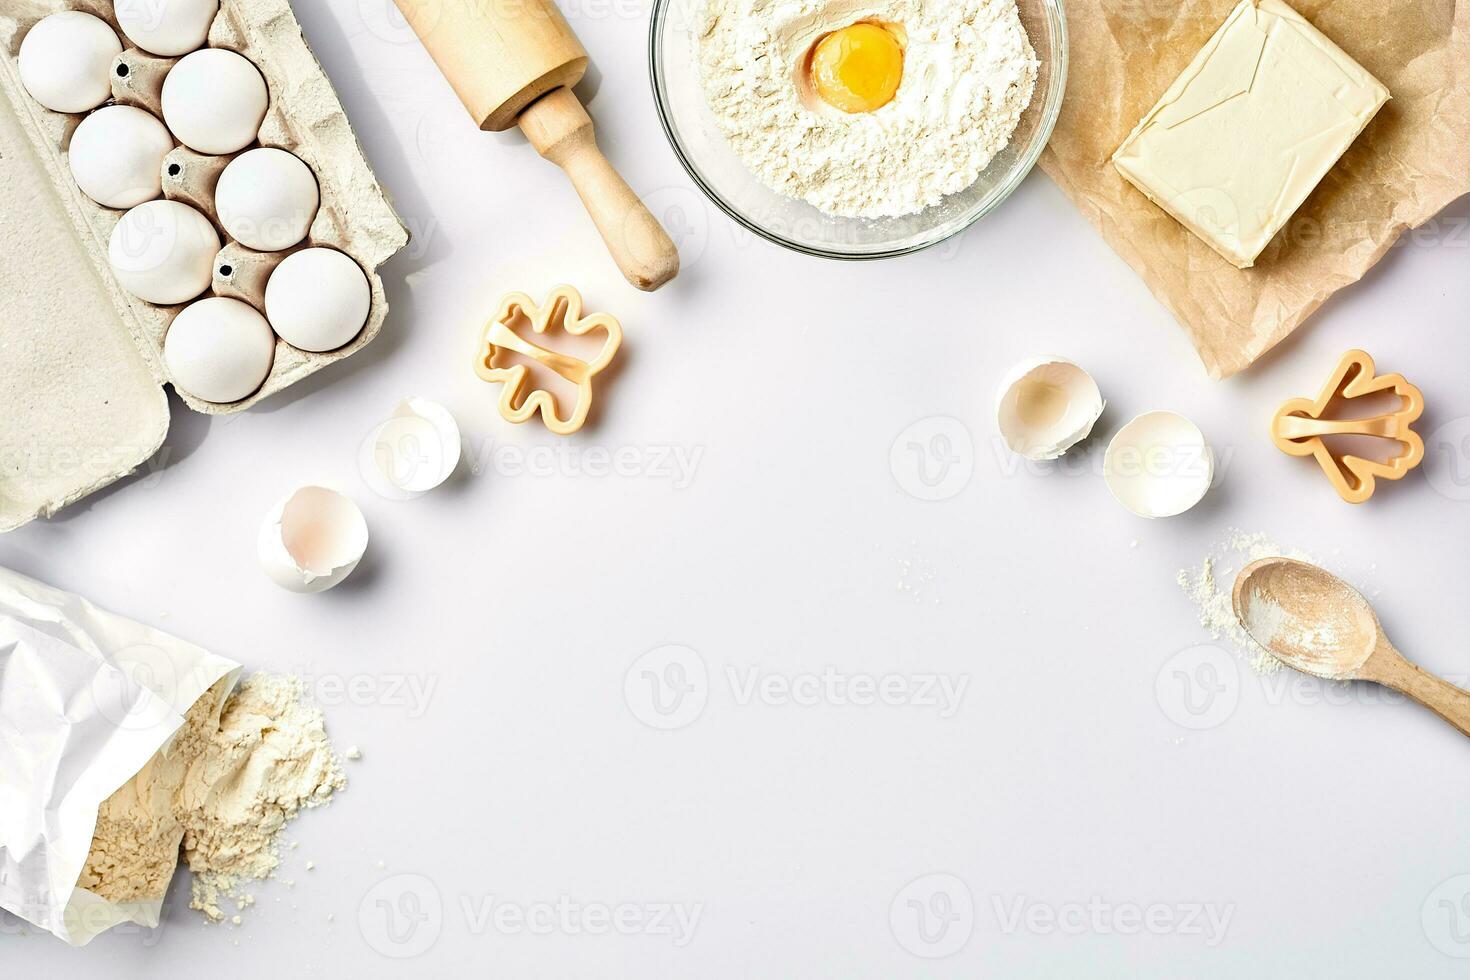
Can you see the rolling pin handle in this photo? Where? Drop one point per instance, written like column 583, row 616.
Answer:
column 561, row 131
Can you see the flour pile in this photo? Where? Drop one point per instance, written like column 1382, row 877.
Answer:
column 969, row 73
column 223, row 789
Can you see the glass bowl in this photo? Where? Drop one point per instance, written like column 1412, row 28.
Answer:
column 712, row 162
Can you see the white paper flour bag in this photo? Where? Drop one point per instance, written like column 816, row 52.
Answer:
column 86, row 700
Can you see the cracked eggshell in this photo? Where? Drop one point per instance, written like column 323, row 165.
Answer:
column 413, row 452
column 266, row 199
column 1159, row 465
column 167, row 27
column 116, row 156
column 214, row 101
column 311, row 541
column 65, row 61
column 1046, row 406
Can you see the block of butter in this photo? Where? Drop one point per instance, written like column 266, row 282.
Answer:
column 1240, row 139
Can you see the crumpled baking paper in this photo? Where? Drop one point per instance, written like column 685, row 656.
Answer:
column 86, row 699
column 1409, row 164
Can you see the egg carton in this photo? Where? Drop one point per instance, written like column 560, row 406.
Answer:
column 81, row 360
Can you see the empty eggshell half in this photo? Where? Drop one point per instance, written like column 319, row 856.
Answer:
column 317, row 299
column 1159, row 465
column 65, row 61
column 163, row 252
column 214, row 101
column 219, row 349
column 266, row 199
column 116, row 156
column 312, row 540
column 1047, row 405
column 166, row 27
column 413, row 452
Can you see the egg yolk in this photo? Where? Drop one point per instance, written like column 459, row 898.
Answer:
column 858, row 69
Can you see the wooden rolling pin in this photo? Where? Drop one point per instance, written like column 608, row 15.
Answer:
column 514, row 62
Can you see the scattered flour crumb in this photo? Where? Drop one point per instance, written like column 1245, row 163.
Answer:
column 353, row 752
column 1212, row 596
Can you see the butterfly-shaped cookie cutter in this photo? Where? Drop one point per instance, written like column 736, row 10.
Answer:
column 1301, row 427
column 562, row 311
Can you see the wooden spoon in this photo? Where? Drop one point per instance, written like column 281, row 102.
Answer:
column 1315, row 622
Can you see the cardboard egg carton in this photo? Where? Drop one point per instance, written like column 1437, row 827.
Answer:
column 81, row 362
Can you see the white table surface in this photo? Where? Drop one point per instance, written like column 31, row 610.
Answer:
column 1059, row 808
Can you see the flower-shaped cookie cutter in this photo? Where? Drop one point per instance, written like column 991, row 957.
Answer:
column 503, row 351
column 1302, row 427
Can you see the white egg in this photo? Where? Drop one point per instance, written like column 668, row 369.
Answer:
column 66, row 61
column 1159, row 465
column 266, row 199
column 317, row 299
column 117, row 154
column 312, row 540
column 214, row 101
column 163, row 252
column 1047, row 405
column 411, row 453
column 218, row 349
column 166, row 27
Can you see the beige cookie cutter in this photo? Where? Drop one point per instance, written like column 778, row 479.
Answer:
column 562, row 311
column 1300, row 427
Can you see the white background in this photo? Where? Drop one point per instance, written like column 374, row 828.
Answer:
column 518, row 603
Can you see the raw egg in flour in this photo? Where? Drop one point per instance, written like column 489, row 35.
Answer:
column 859, row 68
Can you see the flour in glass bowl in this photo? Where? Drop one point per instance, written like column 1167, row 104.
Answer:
column 969, row 73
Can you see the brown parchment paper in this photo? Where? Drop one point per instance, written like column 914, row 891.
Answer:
column 1406, row 167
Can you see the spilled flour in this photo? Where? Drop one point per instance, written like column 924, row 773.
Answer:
column 1209, row 587
column 222, row 790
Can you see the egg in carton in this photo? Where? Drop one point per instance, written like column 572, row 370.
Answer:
column 86, row 384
